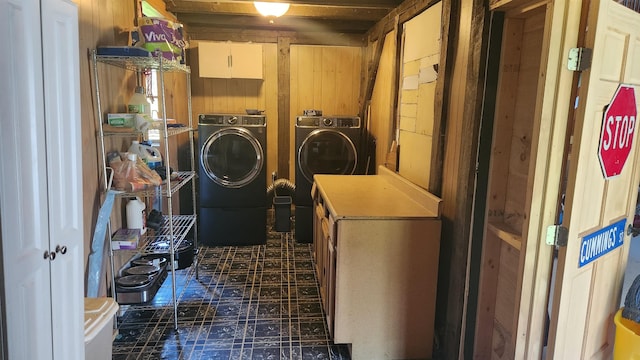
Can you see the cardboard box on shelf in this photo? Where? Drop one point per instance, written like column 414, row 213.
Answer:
column 122, row 120
column 125, row 239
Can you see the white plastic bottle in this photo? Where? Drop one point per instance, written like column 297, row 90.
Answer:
column 136, row 215
column 139, row 104
column 147, row 153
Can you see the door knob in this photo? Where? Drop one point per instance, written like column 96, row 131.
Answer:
column 49, row 255
column 61, row 249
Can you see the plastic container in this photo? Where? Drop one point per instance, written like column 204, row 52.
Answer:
column 138, row 103
column 282, row 205
column 147, row 153
column 98, row 327
column 627, row 341
column 136, row 215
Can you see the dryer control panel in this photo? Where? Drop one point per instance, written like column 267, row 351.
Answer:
column 232, row 120
column 328, row 121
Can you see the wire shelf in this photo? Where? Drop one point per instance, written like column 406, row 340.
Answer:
column 160, row 242
column 171, row 131
column 141, row 63
column 182, row 178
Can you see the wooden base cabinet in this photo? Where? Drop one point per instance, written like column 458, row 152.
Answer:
column 377, row 240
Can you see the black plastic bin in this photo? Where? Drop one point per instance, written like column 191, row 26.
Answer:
column 282, row 206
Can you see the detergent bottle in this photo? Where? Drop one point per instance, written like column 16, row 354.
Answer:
column 149, row 154
column 136, row 215
column 139, row 104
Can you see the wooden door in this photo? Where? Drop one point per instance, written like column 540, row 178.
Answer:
column 588, row 295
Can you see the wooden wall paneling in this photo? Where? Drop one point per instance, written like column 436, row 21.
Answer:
column 328, row 78
column 458, row 170
column 487, row 295
column 345, row 89
column 441, row 98
column 296, row 90
column 504, row 120
column 236, row 97
column 371, row 71
column 284, row 94
column 382, row 100
column 317, row 79
column 503, row 332
column 197, row 86
column 269, row 103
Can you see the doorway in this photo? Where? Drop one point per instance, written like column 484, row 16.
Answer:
column 505, row 185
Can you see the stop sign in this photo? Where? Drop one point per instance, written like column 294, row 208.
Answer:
column 618, row 129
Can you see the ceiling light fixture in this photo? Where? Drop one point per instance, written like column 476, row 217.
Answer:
column 274, row 9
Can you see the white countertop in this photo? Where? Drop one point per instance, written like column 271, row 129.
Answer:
column 386, row 195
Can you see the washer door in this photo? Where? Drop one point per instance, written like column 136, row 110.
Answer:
column 327, row 152
column 232, row 157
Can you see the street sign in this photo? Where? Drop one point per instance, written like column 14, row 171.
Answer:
column 601, row 242
column 618, row 130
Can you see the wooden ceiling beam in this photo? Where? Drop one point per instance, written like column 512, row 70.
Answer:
column 323, row 12
column 271, row 36
column 381, row 4
column 282, row 24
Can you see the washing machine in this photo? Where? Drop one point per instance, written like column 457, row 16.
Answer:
column 232, row 179
column 324, row 145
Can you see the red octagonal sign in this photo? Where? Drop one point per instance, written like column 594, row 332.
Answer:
column 618, row 129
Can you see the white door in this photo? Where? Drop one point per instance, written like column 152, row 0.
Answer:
column 61, row 67
column 40, row 189
column 588, row 295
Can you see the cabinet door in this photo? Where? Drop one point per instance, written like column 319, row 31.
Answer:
column 246, row 61
column 317, row 239
column 229, row 60
column 331, row 283
column 64, row 175
column 214, row 59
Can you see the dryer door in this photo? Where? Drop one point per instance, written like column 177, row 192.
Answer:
column 232, row 157
column 327, row 152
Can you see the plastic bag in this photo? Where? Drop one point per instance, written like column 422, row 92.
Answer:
column 157, row 34
column 631, row 309
column 131, row 173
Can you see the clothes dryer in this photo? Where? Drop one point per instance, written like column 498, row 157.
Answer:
column 232, row 179
column 324, row 145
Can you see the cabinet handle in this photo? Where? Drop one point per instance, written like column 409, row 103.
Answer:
column 230, row 61
column 49, row 255
column 61, row 249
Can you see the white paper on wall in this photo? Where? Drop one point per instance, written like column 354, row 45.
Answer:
column 410, row 82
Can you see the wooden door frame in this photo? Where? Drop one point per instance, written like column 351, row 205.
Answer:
column 492, row 66
column 554, row 90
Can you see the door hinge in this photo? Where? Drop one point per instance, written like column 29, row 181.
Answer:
column 557, row 235
column 579, row 59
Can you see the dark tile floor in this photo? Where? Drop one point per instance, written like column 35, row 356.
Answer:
column 252, row 302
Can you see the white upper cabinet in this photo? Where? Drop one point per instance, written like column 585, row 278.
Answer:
column 230, row 60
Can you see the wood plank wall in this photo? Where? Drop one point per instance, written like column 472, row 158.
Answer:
column 234, row 96
column 107, row 23
column 381, row 114
column 326, row 78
